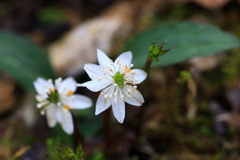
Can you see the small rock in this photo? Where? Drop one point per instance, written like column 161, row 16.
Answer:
column 204, row 63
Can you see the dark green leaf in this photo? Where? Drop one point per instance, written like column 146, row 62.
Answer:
column 186, row 40
column 23, row 59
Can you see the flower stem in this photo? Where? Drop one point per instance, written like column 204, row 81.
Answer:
column 77, row 137
column 106, row 124
column 145, row 94
column 146, row 82
column 148, row 65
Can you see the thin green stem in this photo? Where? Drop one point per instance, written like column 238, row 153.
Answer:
column 146, row 82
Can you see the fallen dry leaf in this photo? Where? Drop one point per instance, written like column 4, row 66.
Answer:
column 79, row 46
column 107, row 32
column 7, row 93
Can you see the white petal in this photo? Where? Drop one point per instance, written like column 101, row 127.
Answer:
column 102, row 104
column 59, row 114
column 77, row 101
column 124, row 59
column 103, row 59
column 93, row 70
column 51, row 115
column 66, row 120
column 43, row 103
column 140, row 76
column 42, row 85
column 118, row 109
column 57, row 82
column 96, row 85
column 136, row 98
column 68, row 84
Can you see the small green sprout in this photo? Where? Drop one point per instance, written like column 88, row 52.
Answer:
column 155, row 52
column 68, row 154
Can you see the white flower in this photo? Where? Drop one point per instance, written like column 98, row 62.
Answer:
column 56, row 100
column 117, row 82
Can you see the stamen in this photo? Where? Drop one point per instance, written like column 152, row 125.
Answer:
column 126, row 91
column 134, row 72
column 121, row 95
column 115, row 93
column 69, row 93
column 127, row 69
column 67, row 107
column 58, row 81
column 52, row 89
column 109, row 94
column 100, row 78
column 39, row 99
column 42, row 112
column 50, row 81
column 45, row 105
column 42, row 104
column 39, row 105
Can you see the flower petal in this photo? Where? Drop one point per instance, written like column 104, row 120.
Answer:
column 118, row 108
column 66, row 120
column 103, row 59
column 77, row 101
column 42, row 86
column 68, row 84
column 124, row 59
column 136, row 98
column 140, row 76
column 51, row 115
column 57, row 82
column 96, row 85
column 93, row 70
column 102, row 104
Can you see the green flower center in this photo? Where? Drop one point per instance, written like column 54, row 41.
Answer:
column 53, row 96
column 119, row 79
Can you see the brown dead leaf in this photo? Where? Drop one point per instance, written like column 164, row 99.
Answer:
column 79, row 46
column 7, row 93
column 107, row 32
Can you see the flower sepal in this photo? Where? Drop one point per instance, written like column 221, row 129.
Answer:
column 155, row 52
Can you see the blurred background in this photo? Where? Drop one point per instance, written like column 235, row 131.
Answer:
column 192, row 111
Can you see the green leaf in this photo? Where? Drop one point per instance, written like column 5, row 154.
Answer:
column 23, row 59
column 50, row 15
column 186, row 40
column 68, row 154
column 80, row 152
